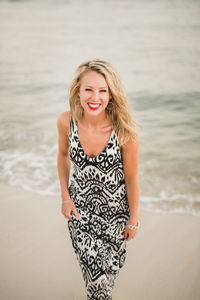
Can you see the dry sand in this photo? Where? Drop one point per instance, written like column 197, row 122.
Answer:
column 37, row 261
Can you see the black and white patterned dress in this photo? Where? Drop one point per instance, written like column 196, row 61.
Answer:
column 97, row 187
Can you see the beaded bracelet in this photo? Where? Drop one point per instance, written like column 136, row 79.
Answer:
column 134, row 226
column 66, row 201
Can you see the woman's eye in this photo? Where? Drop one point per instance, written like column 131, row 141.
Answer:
column 104, row 91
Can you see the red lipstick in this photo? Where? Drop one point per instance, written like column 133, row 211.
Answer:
column 94, row 106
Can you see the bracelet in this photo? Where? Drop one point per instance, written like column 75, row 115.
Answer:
column 66, row 201
column 134, row 226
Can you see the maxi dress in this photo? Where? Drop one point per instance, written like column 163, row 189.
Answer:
column 97, row 188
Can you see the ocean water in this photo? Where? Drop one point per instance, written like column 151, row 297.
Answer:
column 154, row 45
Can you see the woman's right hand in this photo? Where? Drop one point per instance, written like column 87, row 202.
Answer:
column 69, row 207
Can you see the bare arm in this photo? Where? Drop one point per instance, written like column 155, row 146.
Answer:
column 130, row 153
column 63, row 163
column 63, row 160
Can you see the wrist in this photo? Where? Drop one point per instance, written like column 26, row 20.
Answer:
column 65, row 196
column 133, row 226
column 133, row 220
column 66, row 201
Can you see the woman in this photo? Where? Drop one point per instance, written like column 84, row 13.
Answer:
column 100, row 195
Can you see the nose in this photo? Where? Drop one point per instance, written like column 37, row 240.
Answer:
column 95, row 96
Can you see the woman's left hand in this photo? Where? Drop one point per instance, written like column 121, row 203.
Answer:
column 129, row 233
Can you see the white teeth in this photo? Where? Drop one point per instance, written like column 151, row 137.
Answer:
column 93, row 105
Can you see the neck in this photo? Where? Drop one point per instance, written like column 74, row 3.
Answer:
column 95, row 121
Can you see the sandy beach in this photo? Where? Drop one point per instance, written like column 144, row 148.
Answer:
column 38, row 262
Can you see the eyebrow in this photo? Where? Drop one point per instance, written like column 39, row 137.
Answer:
column 104, row 87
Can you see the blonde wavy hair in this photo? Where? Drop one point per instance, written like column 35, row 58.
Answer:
column 118, row 107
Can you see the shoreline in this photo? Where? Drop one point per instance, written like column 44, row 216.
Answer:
column 38, row 261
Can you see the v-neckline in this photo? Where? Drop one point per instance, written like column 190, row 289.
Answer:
column 96, row 156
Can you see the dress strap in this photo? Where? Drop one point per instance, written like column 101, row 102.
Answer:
column 71, row 126
column 116, row 131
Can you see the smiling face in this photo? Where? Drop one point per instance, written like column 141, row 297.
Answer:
column 94, row 93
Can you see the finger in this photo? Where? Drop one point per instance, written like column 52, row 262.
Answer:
column 125, row 235
column 129, row 238
column 76, row 214
column 68, row 216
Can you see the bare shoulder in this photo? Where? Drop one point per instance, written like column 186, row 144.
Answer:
column 63, row 122
column 131, row 147
column 130, row 153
